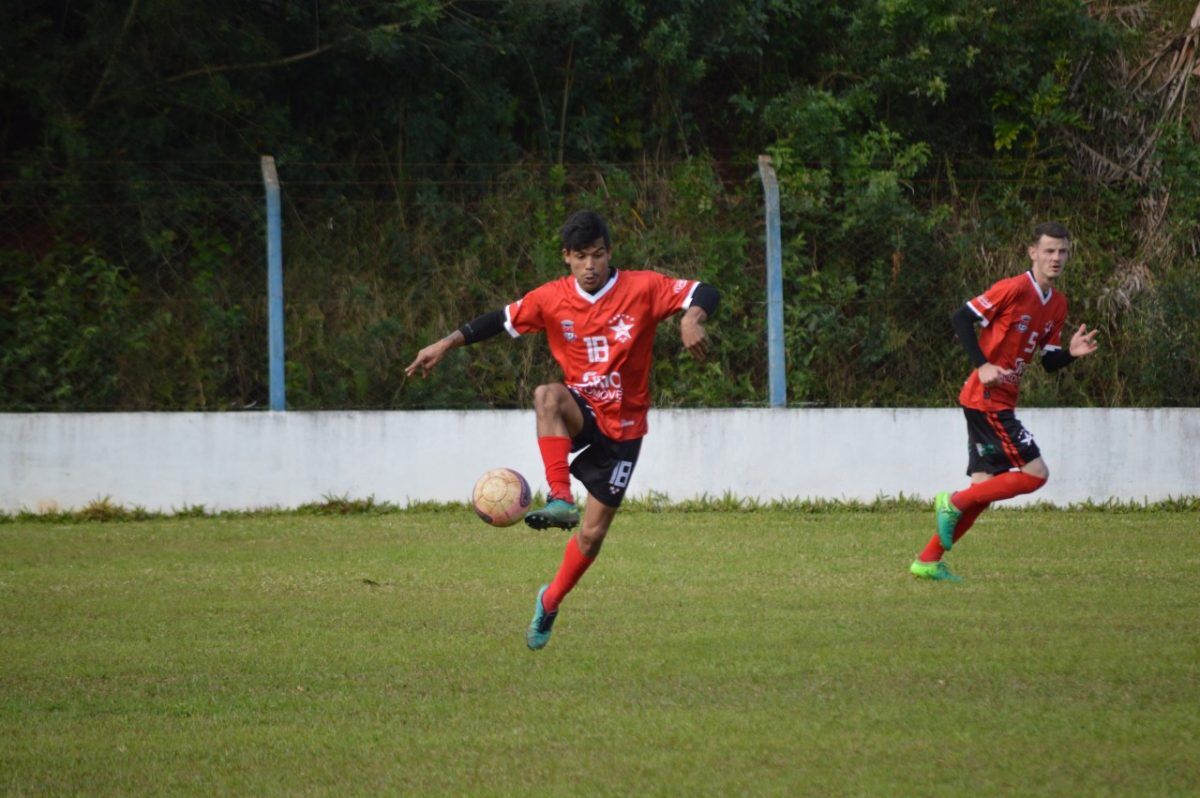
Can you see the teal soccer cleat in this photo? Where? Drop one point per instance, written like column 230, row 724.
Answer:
column 557, row 512
column 947, row 518
column 538, row 634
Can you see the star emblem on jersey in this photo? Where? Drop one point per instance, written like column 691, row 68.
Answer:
column 621, row 324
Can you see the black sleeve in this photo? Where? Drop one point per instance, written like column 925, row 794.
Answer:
column 964, row 321
column 1056, row 359
column 706, row 298
column 484, row 327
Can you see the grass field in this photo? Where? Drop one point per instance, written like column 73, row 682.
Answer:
column 719, row 653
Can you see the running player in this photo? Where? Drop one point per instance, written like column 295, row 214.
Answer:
column 600, row 324
column 1019, row 315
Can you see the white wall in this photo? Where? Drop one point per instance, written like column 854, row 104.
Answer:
column 165, row 461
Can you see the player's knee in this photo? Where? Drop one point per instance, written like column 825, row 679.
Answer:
column 1037, row 470
column 548, row 398
column 590, row 540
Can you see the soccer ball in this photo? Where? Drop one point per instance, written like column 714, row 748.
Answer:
column 501, row 497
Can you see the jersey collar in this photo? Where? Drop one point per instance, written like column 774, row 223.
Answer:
column 1033, row 281
column 604, row 289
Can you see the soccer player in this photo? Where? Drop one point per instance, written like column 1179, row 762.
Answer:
column 1019, row 315
column 600, row 323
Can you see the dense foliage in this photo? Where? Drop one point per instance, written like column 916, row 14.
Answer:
column 429, row 149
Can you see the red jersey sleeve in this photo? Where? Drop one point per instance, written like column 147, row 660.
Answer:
column 669, row 295
column 527, row 314
column 992, row 302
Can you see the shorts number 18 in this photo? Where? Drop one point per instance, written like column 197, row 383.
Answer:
column 620, row 474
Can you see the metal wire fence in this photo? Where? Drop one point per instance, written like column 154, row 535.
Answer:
column 135, row 286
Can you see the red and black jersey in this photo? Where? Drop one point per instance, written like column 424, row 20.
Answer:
column 1017, row 320
column 603, row 342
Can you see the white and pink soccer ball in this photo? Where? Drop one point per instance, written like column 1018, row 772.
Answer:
column 501, row 497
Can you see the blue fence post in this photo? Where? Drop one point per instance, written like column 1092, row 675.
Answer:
column 777, row 378
column 274, row 283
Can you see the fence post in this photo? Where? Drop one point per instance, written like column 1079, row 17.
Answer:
column 775, row 354
column 274, row 283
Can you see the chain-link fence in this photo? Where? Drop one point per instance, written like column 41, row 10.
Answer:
column 143, row 286
column 133, row 286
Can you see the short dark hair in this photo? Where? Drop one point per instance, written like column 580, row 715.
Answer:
column 581, row 229
column 1052, row 229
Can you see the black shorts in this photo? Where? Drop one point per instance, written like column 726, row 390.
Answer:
column 997, row 442
column 603, row 465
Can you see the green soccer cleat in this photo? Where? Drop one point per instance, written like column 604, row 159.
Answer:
column 947, row 518
column 557, row 512
column 538, row 634
column 937, row 571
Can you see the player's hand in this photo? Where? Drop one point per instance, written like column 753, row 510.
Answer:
column 695, row 339
column 427, row 358
column 991, row 374
column 1083, row 342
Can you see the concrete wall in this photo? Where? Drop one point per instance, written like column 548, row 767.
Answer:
column 165, row 461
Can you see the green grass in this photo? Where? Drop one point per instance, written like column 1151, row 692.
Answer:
column 706, row 653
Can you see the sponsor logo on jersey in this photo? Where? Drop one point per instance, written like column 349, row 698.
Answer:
column 1023, row 324
column 1014, row 376
column 568, row 330
column 679, row 285
column 984, row 302
column 621, row 324
column 600, row 387
column 1046, row 330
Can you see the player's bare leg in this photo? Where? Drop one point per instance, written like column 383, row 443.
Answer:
column 596, row 521
column 559, row 419
column 581, row 551
column 556, row 410
column 1037, row 469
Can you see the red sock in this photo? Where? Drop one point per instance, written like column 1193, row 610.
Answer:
column 555, row 449
column 934, row 551
column 1004, row 486
column 574, row 564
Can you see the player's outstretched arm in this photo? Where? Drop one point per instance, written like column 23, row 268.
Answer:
column 431, row 355
column 476, row 330
column 1081, row 343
